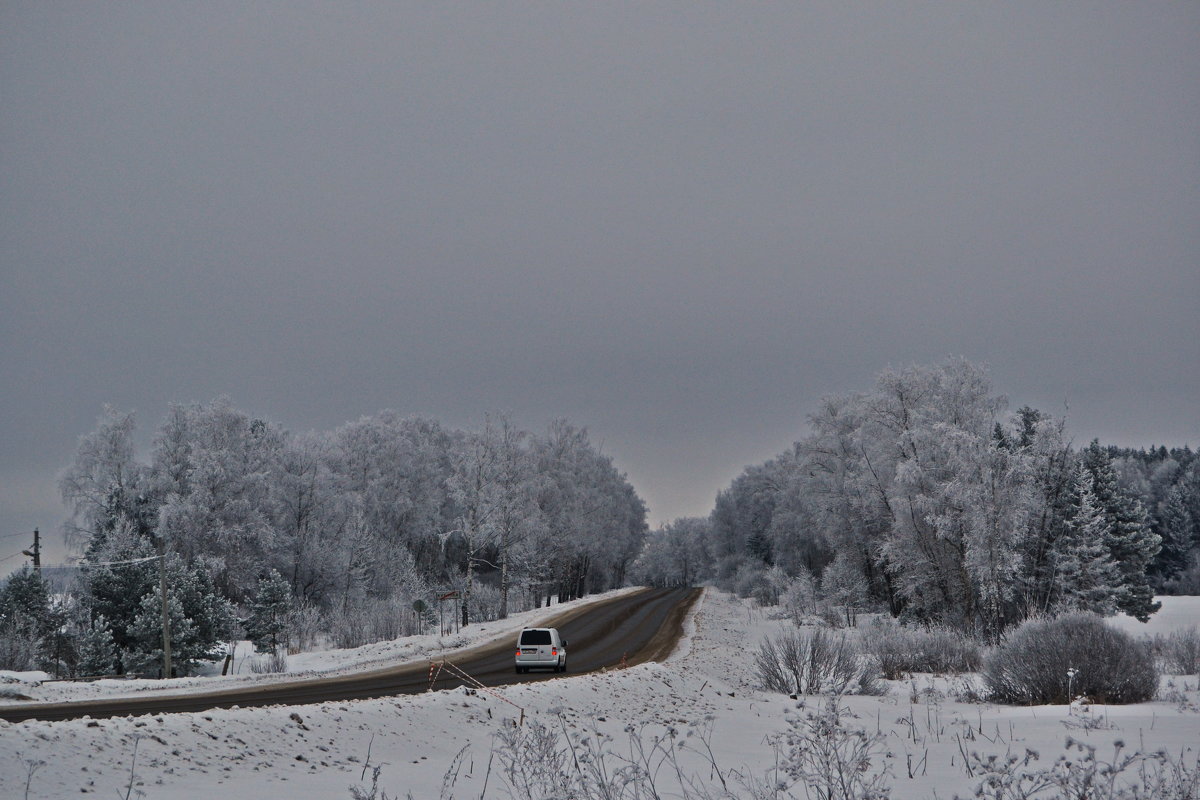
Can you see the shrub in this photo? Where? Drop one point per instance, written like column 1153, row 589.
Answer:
column 832, row 760
column 830, row 616
column 799, row 599
column 797, row 662
column 269, row 663
column 304, row 623
column 901, row 650
column 1079, row 774
column 750, row 580
column 367, row 621
column 1181, row 651
column 18, row 649
column 1056, row 660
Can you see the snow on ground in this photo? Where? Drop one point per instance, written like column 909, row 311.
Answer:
column 1176, row 613
column 704, row 693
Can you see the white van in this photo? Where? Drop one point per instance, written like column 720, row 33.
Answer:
column 541, row 647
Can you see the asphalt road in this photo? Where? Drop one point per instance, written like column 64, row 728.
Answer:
column 634, row 628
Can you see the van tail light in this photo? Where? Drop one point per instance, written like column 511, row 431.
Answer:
column 518, row 651
column 553, row 651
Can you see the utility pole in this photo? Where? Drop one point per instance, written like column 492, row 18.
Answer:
column 36, row 552
column 166, row 617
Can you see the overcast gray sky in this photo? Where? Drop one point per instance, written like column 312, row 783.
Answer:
column 677, row 224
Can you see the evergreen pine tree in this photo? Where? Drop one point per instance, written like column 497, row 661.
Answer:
column 145, row 653
column 1085, row 576
column 1131, row 543
column 97, row 650
column 114, row 579
column 1176, row 527
column 25, row 602
column 30, row 625
column 210, row 613
column 267, row 624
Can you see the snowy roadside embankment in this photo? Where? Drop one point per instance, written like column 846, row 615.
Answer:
column 40, row 686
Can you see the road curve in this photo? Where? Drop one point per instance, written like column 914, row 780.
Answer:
column 634, row 628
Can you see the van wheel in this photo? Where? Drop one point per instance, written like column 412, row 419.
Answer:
column 518, row 670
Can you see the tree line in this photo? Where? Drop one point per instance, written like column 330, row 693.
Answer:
column 924, row 497
column 351, row 534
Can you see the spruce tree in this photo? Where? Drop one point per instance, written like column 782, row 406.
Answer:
column 1176, row 527
column 25, row 602
column 97, row 650
column 1085, row 576
column 145, row 654
column 267, row 625
column 1131, row 543
column 210, row 613
column 114, row 584
column 27, row 623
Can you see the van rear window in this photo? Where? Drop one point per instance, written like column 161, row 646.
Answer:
column 535, row 637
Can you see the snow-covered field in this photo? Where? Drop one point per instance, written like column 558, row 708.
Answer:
column 702, row 698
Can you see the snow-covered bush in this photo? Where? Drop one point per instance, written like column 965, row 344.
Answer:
column 901, row 650
column 1056, row 660
column 368, row 621
column 750, row 580
column 769, row 589
column 799, row 599
column 269, row 663
column 1181, row 651
column 801, row 662
column 18, row 650
column 485, row 603
column 304, row 625
column 830, row 616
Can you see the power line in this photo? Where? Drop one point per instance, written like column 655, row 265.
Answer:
column 85, row 564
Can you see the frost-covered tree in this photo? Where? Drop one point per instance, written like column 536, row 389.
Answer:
column 517, row 516
column 957, row 513
column 1041, row 442
column 303, row 509
column 765, row 516
column 593, row 522
column 393, row 472
column 380, row 512
column 104, row 484
column 843, row 585
column 674, row 555
column 216, row 490
column 474, row 486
